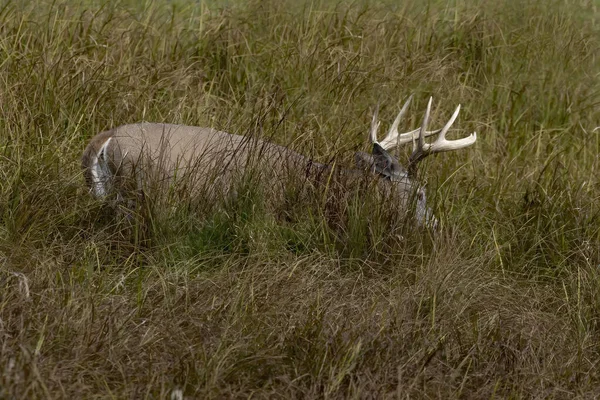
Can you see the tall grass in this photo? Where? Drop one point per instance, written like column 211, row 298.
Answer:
column 319, row 298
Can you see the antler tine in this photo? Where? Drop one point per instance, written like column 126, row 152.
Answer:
column 422, row 149
column 391, row 139
column 442, row 144
column 374, row 125
column 421, row 143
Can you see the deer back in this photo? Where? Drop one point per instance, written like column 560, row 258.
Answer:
column 152, row 153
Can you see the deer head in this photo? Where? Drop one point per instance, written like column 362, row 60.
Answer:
column 404, row 180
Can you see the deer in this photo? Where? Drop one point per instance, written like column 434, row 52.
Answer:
column 129, row 157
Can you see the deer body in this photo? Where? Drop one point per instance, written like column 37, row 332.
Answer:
column 167, row 150
column 143, row 153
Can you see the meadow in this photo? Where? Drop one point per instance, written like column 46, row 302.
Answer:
column 323, row 298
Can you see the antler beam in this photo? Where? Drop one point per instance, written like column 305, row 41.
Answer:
column 441, row 144
column 421, row 149
column 394, row 139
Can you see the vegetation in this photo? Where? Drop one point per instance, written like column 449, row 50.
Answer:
column 322, row 298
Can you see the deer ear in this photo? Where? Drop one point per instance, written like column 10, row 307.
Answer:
column 384, row 163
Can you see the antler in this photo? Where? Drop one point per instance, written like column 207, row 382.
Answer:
column 422, row 149
column 394, row 138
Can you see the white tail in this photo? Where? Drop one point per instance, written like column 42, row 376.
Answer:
column 147, row 152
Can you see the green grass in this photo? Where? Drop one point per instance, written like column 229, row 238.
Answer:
column 317, row 297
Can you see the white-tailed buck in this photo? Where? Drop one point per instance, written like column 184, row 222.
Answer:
column 131, row 157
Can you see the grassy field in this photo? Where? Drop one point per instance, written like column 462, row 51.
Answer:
column 332, row 300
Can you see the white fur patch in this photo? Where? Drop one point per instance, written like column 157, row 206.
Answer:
column 101, row 175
